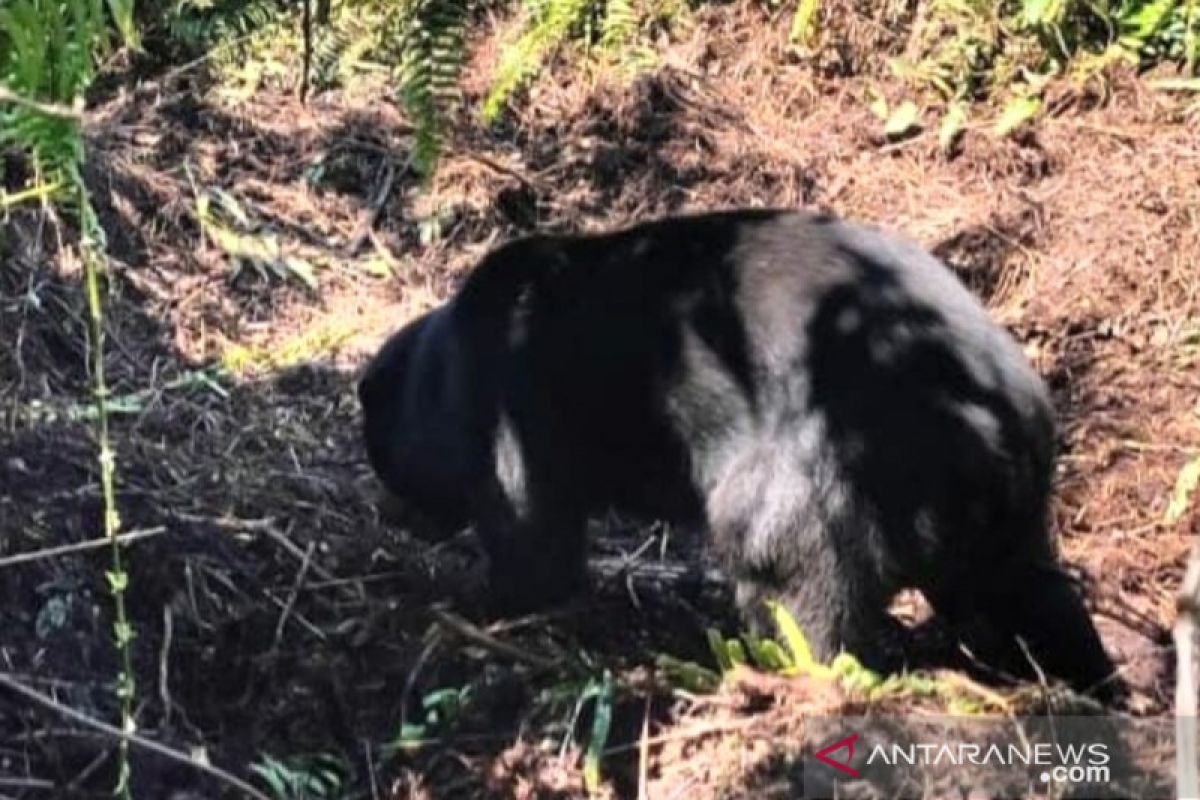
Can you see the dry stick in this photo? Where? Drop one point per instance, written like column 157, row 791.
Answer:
column 300, row 618
column 26, row 783
column 287, row 544
column 76, row 547
column 698, row 731
column 164, row 664
column 377, row 204
column 371, row 770
column 666, row 572
column 1187, row 605
column 268, row 527
column 628, row 561
column 297, row 585
column 484, row 639
column 496, row 166
column 149, row 744
column 644, row 753
column 47, row 109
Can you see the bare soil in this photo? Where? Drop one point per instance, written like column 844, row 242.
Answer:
column 276, row 613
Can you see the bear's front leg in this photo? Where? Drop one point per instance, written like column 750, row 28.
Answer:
column 536, row 551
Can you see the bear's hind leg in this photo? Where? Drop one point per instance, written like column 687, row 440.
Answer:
column 1037, row 604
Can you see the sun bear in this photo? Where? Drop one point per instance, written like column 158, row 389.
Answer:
column 826, row 400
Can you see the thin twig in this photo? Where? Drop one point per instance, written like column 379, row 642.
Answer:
column 666, row 572
column 76, row 547
column 373, row 577
column 644, row 754
column 164, row 664
column 628, row 560
column 26, row 783
column 51, row 704
column 287, row 544
column 370, row 759
column 377, row 204
column 484, row 639
column 297, row 585
column 496, row 166
column 47, row 109
column 267, row 526
column 300, row 618
column 693, row 732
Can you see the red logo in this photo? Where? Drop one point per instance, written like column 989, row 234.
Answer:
column 825, row 755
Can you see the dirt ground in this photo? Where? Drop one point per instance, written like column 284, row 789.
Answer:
column 277, row 614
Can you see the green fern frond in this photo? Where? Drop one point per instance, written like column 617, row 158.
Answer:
column 47, row 53
column 205, row 24
column 345, row 42
column 620, row 26
column 623, row 37
column 522, row 59
column 433, row 47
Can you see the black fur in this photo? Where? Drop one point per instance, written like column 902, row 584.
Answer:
column 827, row 400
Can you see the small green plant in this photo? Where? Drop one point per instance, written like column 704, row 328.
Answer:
column 356, row 38
column 48, row 52
column 207, row 24
column 550, row 24
column 600, row 692
column 228, row 226
column 687, row 675
column 971, row 50
column 302, row 777
column 791, row 655
column 439, row 709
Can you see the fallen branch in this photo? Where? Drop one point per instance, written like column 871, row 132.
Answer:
column 610, row 568
column 484, row 639
column 46, row 109
column 49, row 703
column 77, row 547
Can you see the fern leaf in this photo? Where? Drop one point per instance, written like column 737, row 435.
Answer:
column 620, row 23
column 432, row 53
column 522, row 60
